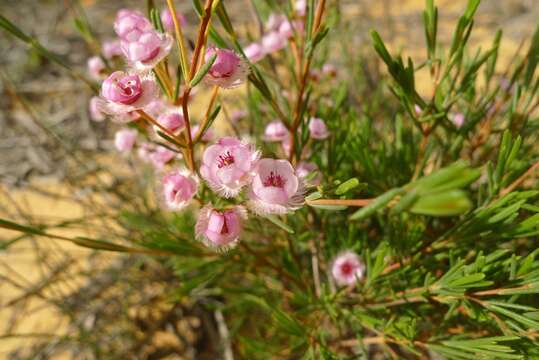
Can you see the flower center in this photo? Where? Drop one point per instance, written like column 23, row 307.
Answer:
column 224, row 229
column 225, row 160
column 347, row 269
column 274, row 180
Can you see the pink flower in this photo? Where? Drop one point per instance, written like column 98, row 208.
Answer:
column 417, row 109
column 126, row 117
column 178, row 187
column 228, row 165
column 156, row 107
column 287, row 28
column 238, row 115
column 145, row 50
column 124, row 93
column 96, row 67
column 229, row 69
column 329, row 69
column 125, row 139
column 273, row 41
column 171, row 120
column 458, row 120
column 95, row 112
column 275, row 188
column 168, row 21
column 301, row 7
column 347, row 269
column 305, row 168
column 254, row 52
column 111, row 48
column 208, row 136
column 220, row 229
column 160, row 156
column 275, row 131
column 318, row 129
column 274, row 21
column 129, row 22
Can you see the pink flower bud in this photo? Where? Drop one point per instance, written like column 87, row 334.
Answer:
column 220, row 229
column 168, row 21
column 347, row 269
column 179, row 187
column 208, row 136
column 318, row 129
column 305, row 168
column 286, row 29
column 274, row 21
column 125, row 139
column 124, row 93
column 129, row 21
column 417, row 110
column 111, row 48
column 229, row 69
column 96, row 67
column 458, row 119
column 160, row 156
column 273, row 41
column 275, row 188
column 172, row 120
column 275, row 131
column 147, row 49
column 238, row 115
column 329, row 70
column 95, row 112
column 228, row 165
column 254, row 52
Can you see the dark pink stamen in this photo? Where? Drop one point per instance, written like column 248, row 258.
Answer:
column 274, row 180
column 225, row 160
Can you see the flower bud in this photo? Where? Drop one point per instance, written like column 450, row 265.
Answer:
column 125, row 139
column 179, row 187
column 318, row 129
column 228, row 70
column 220, row 229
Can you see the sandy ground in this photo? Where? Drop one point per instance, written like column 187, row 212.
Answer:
column 23, row 259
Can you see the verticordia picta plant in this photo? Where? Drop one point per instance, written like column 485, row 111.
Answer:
column 332, row 211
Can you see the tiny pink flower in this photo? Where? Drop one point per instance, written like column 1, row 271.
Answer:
column 458, row 119
column 329, row 70
column 178, row 187
column 274, row 21
column 160, row 156
column 111, row 48
column 125, row 139
column 130, row 21
column 227, row 166
column 238, row 115
column 96, row 67
column 318, row 129
column 275, row 131
column 171, row 120
column 123, row 92
column 275, row 188
column 145, row 50
column 305, row 168
column 417, row 109
column 273, row 41
column 287, row 28
column 347, row 269
column 229, row 69
column 208, row 136
column 254, row 52
column 220, row 229
column 95, row 112
column 144, row 150
column 301, row 7
column 168, row 21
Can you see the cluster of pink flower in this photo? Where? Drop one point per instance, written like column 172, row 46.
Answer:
column 229, row 166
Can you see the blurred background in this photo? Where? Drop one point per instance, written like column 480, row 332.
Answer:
column 58, row 167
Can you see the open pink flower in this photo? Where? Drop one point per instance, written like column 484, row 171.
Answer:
column 228, row 165
column 273, row 41
column 220, row 229
column 95, row 112
column 347, row 269
column 168, row 21
column 130, row 21
column 275, row 188
column 111, row 48
column 178, row 187
column 305, row 168
column 229, row 69
column 96, row 67
column 254, row 52
column 125, row 139
column 318, row 129
column 171, row 120
column 275, row 131
column 145, row 50
column 123, row 92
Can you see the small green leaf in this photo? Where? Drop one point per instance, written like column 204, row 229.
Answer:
column 274, row 219
column 203, row 71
